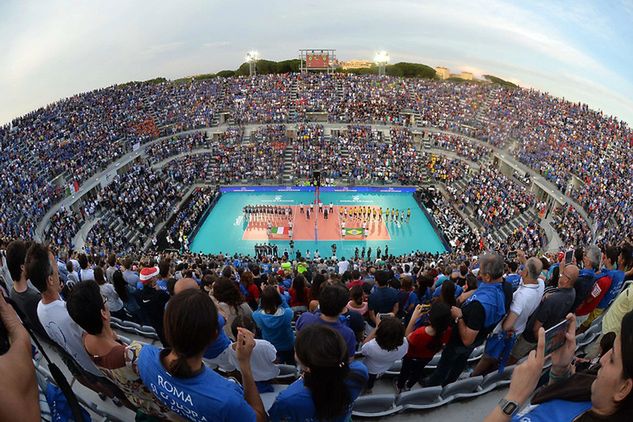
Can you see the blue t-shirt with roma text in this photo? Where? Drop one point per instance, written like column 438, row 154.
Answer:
column 204, row 397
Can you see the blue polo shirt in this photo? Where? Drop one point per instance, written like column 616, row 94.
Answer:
column 220, row 343
column 382, row 299
column 308, row 318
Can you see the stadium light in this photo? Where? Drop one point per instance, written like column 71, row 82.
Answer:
column 251, row 58
column 381, row 59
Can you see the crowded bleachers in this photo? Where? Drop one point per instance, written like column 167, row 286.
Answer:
column 494, row 199
column 431, row 324
column 415, row 290
column 46, row 154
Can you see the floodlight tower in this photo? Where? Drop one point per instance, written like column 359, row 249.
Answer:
column 251, row 58
column 382, row 60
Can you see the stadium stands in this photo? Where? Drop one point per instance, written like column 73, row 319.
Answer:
column 195, row 135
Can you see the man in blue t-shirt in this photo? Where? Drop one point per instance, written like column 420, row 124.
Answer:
column 332, row 303
column 383, row 299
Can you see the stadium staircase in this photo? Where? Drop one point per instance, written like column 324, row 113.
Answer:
column 425, row 176
column 426, row 141
column 482, row 112
column 289, row 165
column 339, row 91
column 292, row 107
column 222, row 100
column 522, row 220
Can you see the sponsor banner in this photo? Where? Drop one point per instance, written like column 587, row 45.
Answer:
column 224, row 189
column 397, row 189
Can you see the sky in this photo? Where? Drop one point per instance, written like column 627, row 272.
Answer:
column 580, row 50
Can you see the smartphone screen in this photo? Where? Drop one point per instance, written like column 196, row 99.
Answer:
column 569, row 256
column 555, row 336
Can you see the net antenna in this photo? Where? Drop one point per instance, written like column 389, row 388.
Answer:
column 252, row 57
column 381, row 59
column 318, row 60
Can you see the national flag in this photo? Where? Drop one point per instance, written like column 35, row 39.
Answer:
column 353, row 231
column 73, row 187
column 279, row 230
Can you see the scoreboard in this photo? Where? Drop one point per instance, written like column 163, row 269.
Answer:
column 318, row 59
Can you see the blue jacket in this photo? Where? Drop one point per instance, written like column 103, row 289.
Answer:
column 492, row 298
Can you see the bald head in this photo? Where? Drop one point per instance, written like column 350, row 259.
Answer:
column 185, row 284
column 568, row 276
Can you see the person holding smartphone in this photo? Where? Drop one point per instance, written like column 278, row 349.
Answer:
column 608, row 397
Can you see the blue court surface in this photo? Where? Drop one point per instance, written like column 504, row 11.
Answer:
column 224, row 227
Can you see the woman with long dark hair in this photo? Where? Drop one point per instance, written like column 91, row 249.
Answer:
column 274, row 319
column 115, row 304
column 329, row 383
column 580, row 397
column 249, row 289
column 299, row 292
column 180, row 379
column 230, row 302
column 126, row 293
column 315, row 291
column 447, row 293
column 424, row 343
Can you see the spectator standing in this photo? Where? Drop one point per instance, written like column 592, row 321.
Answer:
column 424, row 343
column 526, row 298
column 152, row 301
column 115, row 304
column 384, row 345
column 274, row 319
column 383, row 299
column 332, row 303
column 479, row 315
column 550, row 312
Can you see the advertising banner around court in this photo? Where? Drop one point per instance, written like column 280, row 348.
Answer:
column 396, row 189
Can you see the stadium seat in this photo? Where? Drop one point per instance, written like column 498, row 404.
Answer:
column 375, row 406
column 147, row 331
column 422, row 398
column 287, row 374
column 590, row 335
column 395, row 368
column 467, row 387
column 433, row 363
column 269, row 398
column 476, row 353
column 496, row 379
column 124, row 339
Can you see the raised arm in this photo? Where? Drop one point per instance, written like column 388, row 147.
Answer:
column 524, row 380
